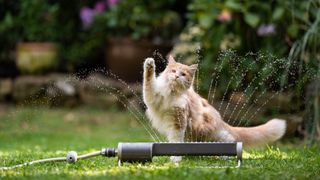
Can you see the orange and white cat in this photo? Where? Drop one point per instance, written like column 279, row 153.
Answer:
column 181, row 114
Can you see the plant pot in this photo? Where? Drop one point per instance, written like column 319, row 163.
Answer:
column 125, row 57
column 35, row 58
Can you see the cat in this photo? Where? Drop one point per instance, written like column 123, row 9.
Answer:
column 179, row 113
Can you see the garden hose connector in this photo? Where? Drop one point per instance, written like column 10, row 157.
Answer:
column 109, row 152
column 72, row 157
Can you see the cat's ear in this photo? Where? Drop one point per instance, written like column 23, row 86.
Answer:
column 193, row 68
column 171, row 59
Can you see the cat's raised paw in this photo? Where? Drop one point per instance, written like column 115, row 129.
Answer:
column 149, row 63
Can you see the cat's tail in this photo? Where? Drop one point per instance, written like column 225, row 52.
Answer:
column 263, row 134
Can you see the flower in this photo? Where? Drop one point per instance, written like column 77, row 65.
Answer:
column 266, row 30
column 86, row 15
column 112, row 2
column 99, row 7
column 224, row 16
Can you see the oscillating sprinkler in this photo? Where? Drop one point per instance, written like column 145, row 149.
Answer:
column 145, row 151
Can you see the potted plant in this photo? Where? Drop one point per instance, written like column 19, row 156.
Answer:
column 37, row 51
column 135, row 30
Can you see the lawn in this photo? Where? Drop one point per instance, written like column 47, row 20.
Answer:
column 34, row 133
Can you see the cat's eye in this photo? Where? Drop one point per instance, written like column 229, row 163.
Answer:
column 183, row 74
column 173, row 70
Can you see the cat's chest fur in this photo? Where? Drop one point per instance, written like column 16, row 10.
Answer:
column 164, row 97
column 161, row 109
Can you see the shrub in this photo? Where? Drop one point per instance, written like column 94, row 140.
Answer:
column 283, row 29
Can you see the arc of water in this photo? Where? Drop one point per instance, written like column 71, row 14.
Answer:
column 224, row 94
column 133, row 110
column 255, row 89
column 242, row 76
column 137, row 118
column 250, row 107
column 199, row 67
column 258, row 110
column 216, row 80
column 229, row 101
column 226, row 91
column 136, row 110
column 127, row 86
column 210, row 86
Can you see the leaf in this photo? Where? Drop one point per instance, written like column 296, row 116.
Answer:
column 205, row 20
column 278, row 13
column 293, row 30
column 252, row 19
column 233, row 5
column 7, row 23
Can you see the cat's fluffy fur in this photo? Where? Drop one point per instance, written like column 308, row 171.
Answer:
column 179, row 113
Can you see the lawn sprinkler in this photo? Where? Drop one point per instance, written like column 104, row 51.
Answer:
column 145, row 151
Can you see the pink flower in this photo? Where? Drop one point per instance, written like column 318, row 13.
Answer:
column 99, row 7
column 224, row 16
column 112, row 2
column 86, row 16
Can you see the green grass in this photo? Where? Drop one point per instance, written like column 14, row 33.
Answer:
column 33, row 133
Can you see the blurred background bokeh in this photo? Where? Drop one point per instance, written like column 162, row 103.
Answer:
column 258, row 59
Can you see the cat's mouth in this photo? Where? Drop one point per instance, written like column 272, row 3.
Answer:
column 176, row 83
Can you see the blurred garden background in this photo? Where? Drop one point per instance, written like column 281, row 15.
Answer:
column 75, row 67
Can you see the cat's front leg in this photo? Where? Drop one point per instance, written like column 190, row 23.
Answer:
column 176, row 136
column 149, row 68
column 178, row 130
column 148, row 80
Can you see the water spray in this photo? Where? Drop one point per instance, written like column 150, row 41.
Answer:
column 145, row 151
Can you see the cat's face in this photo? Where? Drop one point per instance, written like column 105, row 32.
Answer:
column 179, row 76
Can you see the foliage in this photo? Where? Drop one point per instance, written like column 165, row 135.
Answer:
column 80, row 42
column 142, row 19
column 285, row 29
column 37, row 21
column 9, row 35
column 110, row 19
column 26, row 21
column 35, row 133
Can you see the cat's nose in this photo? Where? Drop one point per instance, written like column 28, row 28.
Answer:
column 177, row 76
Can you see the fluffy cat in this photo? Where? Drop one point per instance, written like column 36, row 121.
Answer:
column 179, row 113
